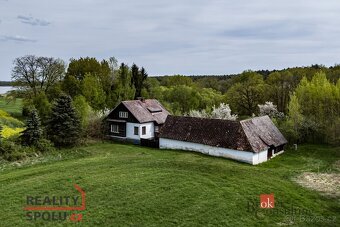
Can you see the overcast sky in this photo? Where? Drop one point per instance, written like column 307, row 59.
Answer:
column 174, row 37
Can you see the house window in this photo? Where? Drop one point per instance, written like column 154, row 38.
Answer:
column 115, row 128
column 143, row 130
column 123, row 114
column 156, row 128
column 135, row 132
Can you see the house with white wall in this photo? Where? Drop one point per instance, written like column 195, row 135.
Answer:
column 253, row 141
column 133, row 120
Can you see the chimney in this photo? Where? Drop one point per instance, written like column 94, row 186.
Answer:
column 141, row 99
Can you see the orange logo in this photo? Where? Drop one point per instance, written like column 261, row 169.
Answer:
column 267, row 201
column 42, row 212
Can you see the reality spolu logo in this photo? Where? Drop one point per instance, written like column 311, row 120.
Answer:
column 56, row 208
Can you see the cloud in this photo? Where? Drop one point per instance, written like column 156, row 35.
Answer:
column 271, row 31
column 33, row 21
column 16, row 38
column 171, row 37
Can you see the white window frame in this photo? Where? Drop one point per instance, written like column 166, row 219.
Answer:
column 123, row 114
column 115, row 128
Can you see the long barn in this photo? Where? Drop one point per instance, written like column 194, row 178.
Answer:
column 253, row 141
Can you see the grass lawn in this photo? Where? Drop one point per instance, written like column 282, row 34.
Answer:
column 128, row 185
column 14, row 107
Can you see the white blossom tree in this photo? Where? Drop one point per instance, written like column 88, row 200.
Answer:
column 198, row 113
column 271, row 110
column 223, row 111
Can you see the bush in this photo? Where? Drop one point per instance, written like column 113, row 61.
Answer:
column 8, row 120
column 95, row 127
column 44, row 145
column 8, row 132
column 11, row 151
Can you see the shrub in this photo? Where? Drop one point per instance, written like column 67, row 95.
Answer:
column 44, row 145
column 8, row 132
column 8, row 120
column 11, row 151
column 95, row 127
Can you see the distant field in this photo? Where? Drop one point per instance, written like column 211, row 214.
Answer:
column 13, row 107
column 128, row 185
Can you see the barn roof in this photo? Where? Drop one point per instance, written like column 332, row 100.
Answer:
column 262, row 133
column 255, row 134
column 147, row 110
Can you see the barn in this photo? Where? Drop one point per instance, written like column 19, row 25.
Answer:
column 134, row 120
column 253, row 141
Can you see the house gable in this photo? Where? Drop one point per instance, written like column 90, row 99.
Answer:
column 114, row 114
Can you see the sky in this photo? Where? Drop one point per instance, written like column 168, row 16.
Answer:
column 189, row 37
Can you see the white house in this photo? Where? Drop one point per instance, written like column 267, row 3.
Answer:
column 252, row 141
column 134, row 120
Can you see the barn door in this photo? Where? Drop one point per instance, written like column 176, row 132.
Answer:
column 270, row 152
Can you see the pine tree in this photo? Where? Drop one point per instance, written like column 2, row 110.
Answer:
column 33, row 132
column 63, row 127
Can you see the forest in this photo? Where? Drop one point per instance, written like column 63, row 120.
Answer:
column 64, row 102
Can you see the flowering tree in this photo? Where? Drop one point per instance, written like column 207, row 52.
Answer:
column 271, row 110
column 198, row 113
column 223, row 111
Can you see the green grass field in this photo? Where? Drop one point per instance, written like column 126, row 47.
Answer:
column 13, row 107
column 128, row 185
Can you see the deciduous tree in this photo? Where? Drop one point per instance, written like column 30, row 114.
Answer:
column 37, row 73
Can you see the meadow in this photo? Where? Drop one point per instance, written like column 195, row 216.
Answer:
column 129, row 185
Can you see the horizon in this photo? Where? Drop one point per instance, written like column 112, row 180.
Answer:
column 231, row 74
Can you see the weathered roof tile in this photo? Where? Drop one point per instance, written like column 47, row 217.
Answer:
column 255, row 134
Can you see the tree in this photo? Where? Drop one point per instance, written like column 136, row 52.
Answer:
column 123, row 88
column 319, row 101
column 42, row 105
column 281, row 85
column 295, row 115
column 83, row 110
column 93, row 92
column 208, row 98
column 37, row 73
column 271, row 110
column 102, row 72
column 182, row 98
column 137, row 79
column 247, row 93
column 176, row 80
column 33, row 132
column 63, row 127
column 79, row 67
column 223, row 112
column 199, row 113
column 71, row 86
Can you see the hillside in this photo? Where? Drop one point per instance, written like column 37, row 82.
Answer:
column 128, row 185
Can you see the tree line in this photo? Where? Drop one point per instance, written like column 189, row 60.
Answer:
column 307, row 98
